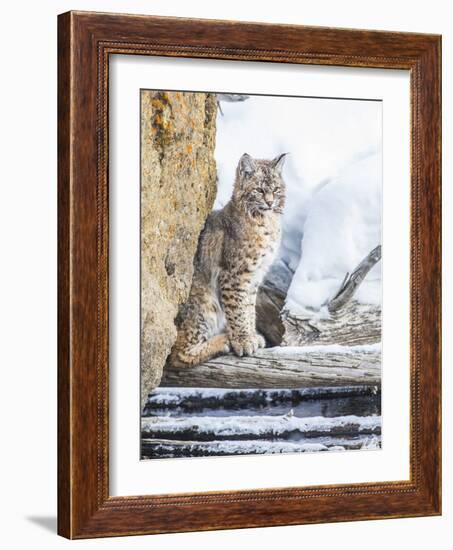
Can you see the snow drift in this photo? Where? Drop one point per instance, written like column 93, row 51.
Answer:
column 333, row 173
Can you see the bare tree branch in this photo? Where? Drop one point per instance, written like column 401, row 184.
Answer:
column 352, row 282
column 230, row 98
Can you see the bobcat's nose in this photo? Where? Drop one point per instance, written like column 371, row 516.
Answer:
column 269, row 199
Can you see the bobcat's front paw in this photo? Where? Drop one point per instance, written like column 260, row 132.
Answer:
column 260, row 340
column 247, row 345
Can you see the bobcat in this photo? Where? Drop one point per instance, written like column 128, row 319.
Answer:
column 235, row 249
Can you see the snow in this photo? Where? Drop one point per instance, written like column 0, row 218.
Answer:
column 333, row 176
column 161, row 448
column 332, row 220
column 372, row 442
column 331, row 348
column 343, row 225
column 243, row 447
column 261, row 426
column 167, row 397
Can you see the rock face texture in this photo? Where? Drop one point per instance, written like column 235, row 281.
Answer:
column 178, row 188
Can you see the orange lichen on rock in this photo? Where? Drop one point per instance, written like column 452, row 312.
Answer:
column 178, row 188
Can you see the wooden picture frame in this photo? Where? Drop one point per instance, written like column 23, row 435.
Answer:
column 85, row 42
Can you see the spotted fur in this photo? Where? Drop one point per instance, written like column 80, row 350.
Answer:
column 235, row 249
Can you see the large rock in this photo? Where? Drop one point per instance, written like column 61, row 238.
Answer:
column 178, row 188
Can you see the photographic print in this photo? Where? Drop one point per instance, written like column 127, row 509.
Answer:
column 261, row 287
column 224, row 191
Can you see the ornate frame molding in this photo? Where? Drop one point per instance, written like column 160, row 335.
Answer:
column 86, row 40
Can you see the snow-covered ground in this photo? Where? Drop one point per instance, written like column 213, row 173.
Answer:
column 332, row 219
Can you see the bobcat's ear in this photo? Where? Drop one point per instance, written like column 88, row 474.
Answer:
column 246, row 165
column 279, row 161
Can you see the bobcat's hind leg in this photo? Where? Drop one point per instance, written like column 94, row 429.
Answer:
column 200, row 352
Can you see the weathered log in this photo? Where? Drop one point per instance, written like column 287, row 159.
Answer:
column 347, row 321
column 358, row 324
column 275, row 368
column 249, row 428
column 270, row 301
column 169, row 448
column 269, row 304
column 352, row 281
column 336, row 401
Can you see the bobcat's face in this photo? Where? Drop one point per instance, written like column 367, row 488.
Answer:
column 259, row 186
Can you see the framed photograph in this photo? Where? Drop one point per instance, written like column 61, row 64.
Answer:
column 249, row 275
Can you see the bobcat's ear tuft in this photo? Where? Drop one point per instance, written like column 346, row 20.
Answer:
column 246, row 165
column 279, row 161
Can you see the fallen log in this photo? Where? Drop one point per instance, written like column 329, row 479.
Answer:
column 311, row 366
column 168, row 448
column 270, row 302
column 358, row 324
column 358, row 400
column 348, row 322
column 249, row 428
